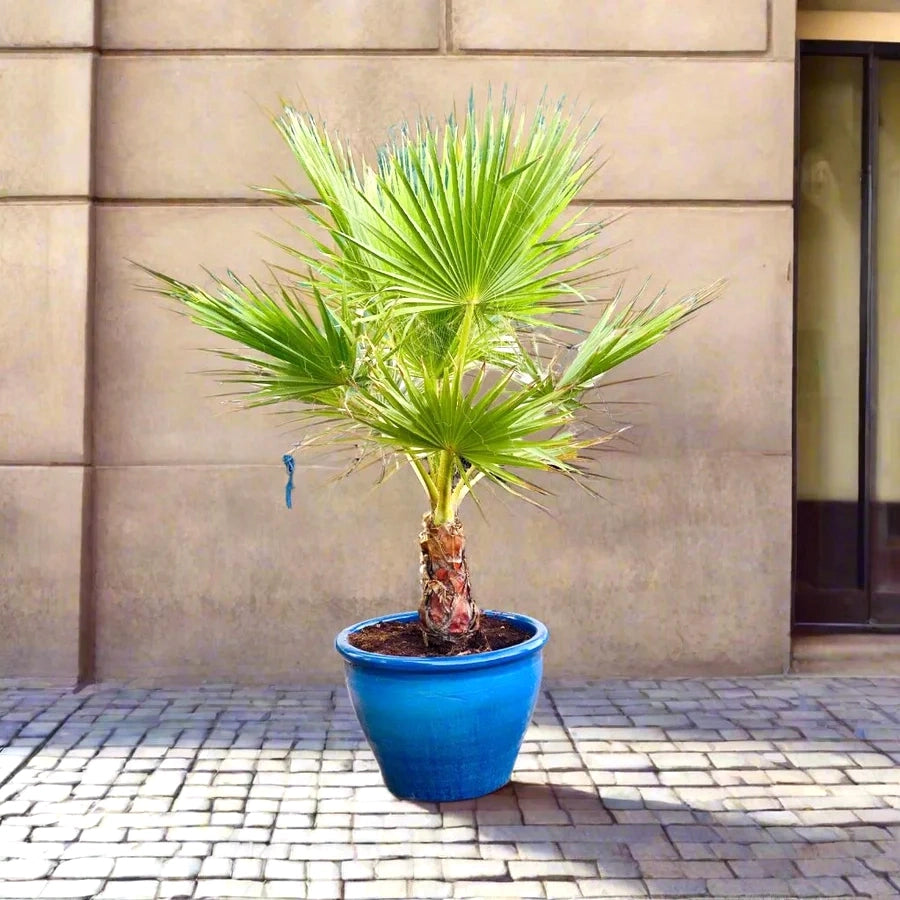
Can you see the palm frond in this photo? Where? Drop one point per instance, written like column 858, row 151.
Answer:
column 294, row 355
column 624, row 330
column 426, row 316
column 467, row 215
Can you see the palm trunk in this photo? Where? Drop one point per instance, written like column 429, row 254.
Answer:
column 449, row 617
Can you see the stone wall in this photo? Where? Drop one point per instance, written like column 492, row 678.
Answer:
column 143, row 529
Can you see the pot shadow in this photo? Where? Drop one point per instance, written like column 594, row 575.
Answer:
column 628, row 833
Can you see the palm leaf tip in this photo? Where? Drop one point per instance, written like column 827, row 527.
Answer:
column 626, row 329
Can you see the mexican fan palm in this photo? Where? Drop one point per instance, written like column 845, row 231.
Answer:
column 430, row 318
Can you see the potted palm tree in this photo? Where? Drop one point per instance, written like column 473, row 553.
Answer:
column 432, row 320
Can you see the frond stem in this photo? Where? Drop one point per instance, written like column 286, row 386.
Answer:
column 444, row 512
column 464, row 487
column 465, row 333
column 424, row 479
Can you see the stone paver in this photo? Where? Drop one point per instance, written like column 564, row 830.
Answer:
column 767, row 787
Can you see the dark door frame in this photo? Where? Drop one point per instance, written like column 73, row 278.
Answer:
column 862, row 608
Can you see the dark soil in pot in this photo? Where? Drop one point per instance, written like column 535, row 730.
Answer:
column 405, row 638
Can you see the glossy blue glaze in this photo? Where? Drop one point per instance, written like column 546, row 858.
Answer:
column 450, row 727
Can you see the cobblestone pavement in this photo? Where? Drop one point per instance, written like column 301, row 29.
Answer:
column 770, row 787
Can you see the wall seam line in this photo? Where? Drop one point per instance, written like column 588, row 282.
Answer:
column 449, row 43
column 87, row 601
column 694, row 203
column 363, row 53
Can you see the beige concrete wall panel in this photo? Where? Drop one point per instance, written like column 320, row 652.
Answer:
column 40, row 570
column 46, row 23
column 195, row 127
column 273, row 25
column 45, row 141
column 784, row 28
column 611, row 25
column 44, row 271
column 151, row 404
column 202, row 573
column 724, row 379
column 683, row 568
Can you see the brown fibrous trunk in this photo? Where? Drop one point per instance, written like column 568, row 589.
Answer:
column 449, row 617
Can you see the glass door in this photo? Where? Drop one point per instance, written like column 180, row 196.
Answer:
column 886, row 389
column 847, row 389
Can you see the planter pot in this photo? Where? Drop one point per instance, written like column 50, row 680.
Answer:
column 445, row 728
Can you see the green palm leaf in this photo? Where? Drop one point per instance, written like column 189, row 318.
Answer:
column 293, row 357
column 424, row 327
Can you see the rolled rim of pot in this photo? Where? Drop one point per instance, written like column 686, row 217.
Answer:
column 533, row 644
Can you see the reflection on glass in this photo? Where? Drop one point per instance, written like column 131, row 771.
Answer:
column 828, row 271
column 886, row 533
column 887, row 454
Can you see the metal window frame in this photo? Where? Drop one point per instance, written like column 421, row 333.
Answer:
column 870, row 53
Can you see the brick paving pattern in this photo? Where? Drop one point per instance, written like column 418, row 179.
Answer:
column 768, row 787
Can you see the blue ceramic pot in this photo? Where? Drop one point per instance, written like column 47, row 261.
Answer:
column 450, row 727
